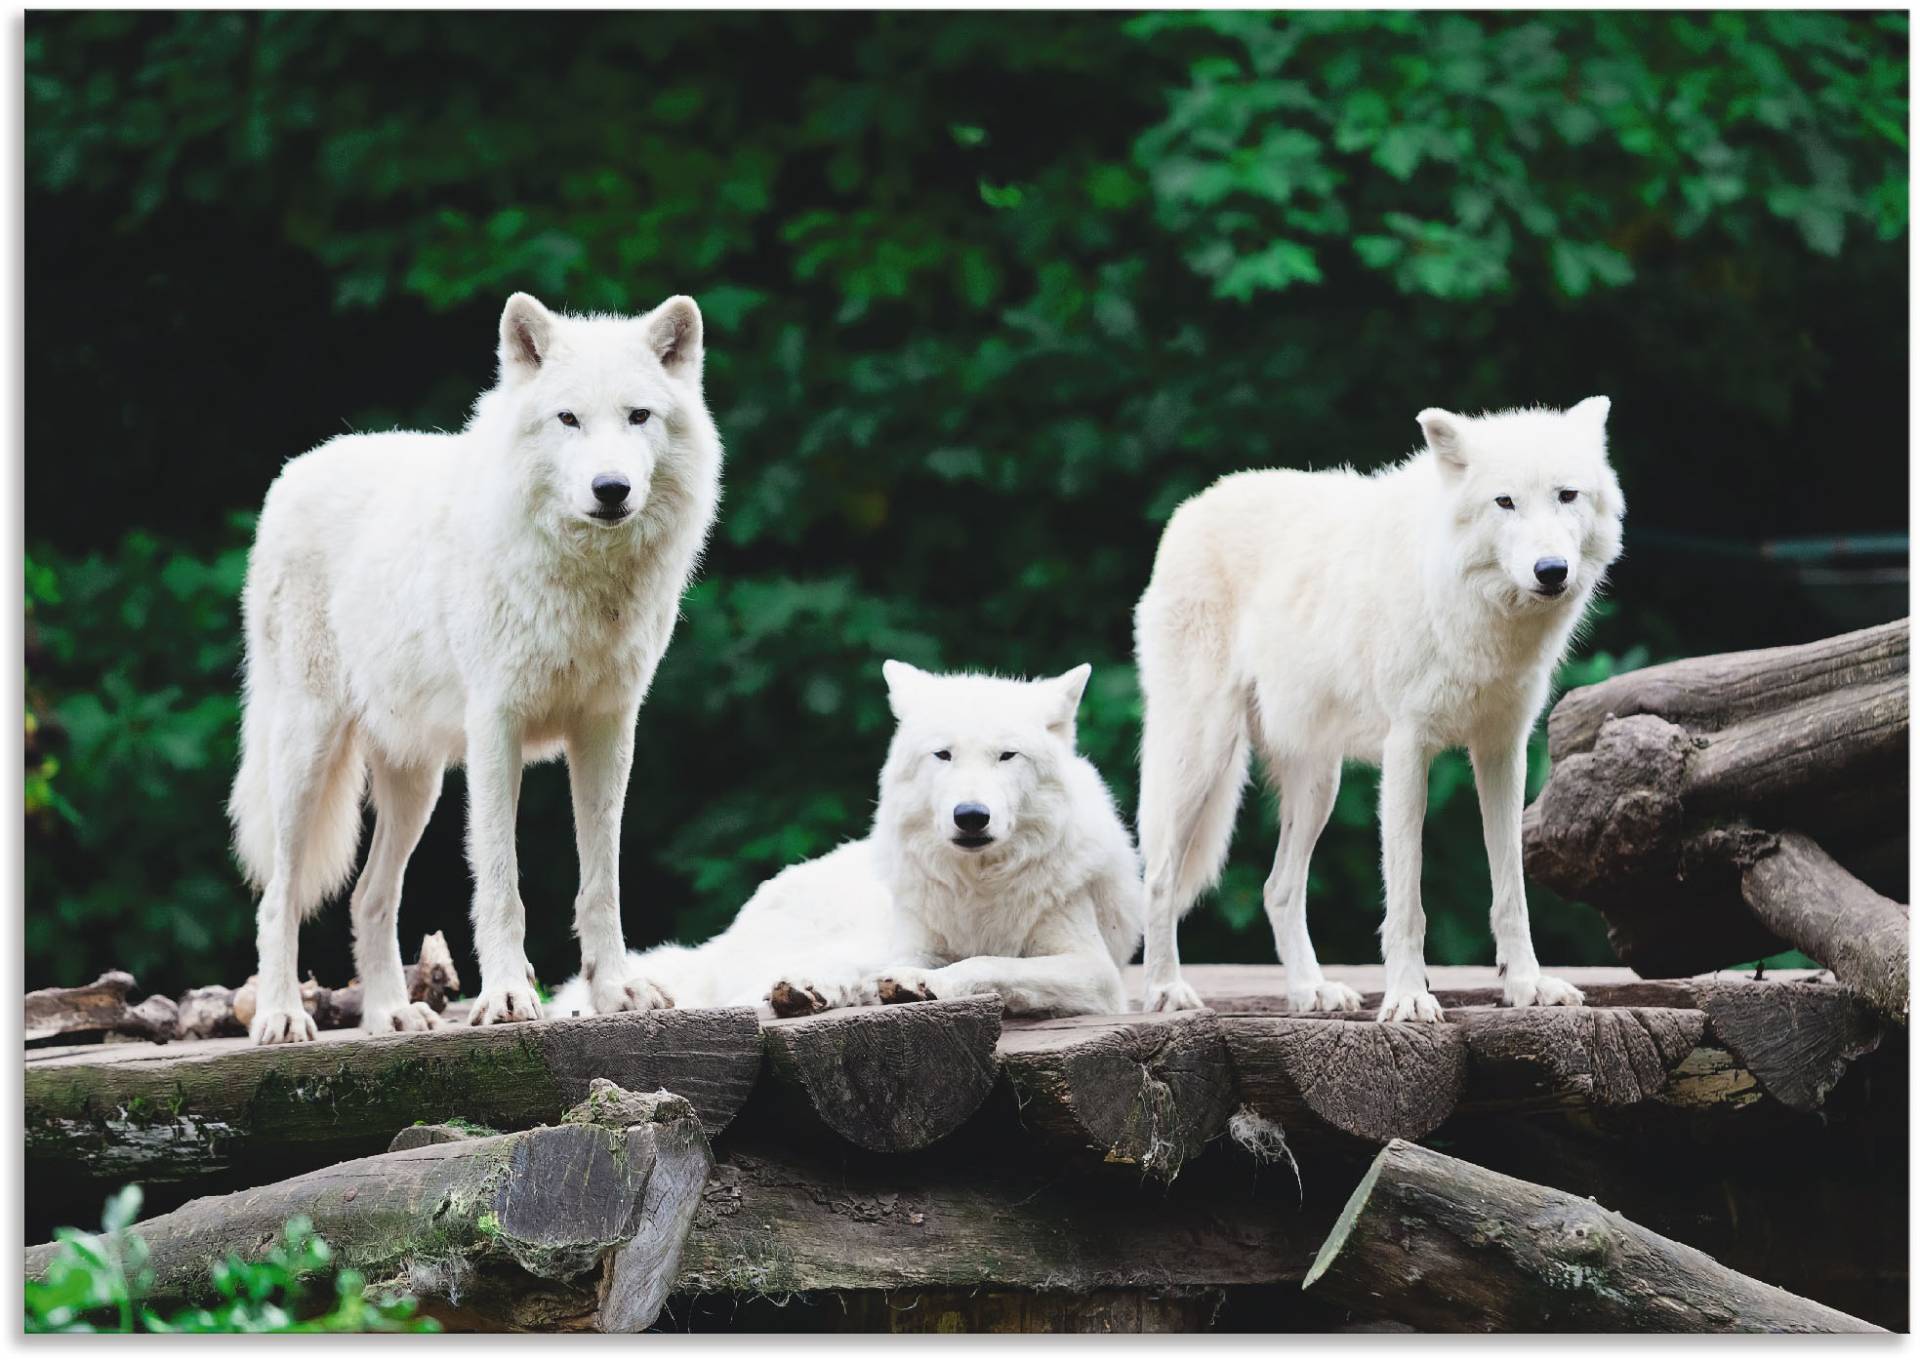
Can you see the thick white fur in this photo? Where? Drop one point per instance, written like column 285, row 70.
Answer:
column 1045, row 916
column 420, row 600
column 1316, row 617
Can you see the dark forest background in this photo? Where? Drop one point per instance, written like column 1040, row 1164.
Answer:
column 987, row 295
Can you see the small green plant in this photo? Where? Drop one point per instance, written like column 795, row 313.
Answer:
column 95, row 1283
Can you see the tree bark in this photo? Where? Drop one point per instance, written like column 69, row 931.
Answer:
column 570, row 1226
column 1450, row 1247
column 889, row 1079
column 1148, row 1094
column 191, row 1110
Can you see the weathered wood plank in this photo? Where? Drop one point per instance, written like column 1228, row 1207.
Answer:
column 890, row 1079
column 1797, row 1039
column 1446, row 1246
column 1146, row 1092
column 185, row 1111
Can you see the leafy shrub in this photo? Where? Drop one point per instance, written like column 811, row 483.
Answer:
column 95, row 1283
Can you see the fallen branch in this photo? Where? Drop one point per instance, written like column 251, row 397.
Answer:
column 1446, row 1246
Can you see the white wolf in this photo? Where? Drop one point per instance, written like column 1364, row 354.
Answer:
column 997, row 864
column 490, row 597
column 1322, row 616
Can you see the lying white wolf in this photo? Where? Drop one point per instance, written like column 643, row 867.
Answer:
column 490, row 597
column 997, row 864
column 1323, row 616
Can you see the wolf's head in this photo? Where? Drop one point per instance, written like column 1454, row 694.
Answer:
column 597, row 410
column 1535, row 508
column 977, row 766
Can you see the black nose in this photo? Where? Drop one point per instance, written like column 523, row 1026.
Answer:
column 1551, row 571
column 610, row 489
column 972, row 817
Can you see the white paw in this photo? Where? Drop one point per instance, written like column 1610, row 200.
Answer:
column 896, row 986
column 281, row 1025
column 802, row 995
column 407, row 1016
column 1323, row 996
column 497, row 1006
column 1542, row 990
column 1174, row 996
column 1411, row 1006
column 632, row 992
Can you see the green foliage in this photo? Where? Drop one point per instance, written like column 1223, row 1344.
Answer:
column 95, row 1283
column 987, row 296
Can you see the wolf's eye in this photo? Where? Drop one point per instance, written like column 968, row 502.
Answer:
column 568, row 419
column 1504, row 502
column 1568, row 496
column 638, row 416
column 943, row 755
column 1008, row 755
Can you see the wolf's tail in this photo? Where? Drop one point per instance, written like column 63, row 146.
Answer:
column 1193, row 750
column 330, row 839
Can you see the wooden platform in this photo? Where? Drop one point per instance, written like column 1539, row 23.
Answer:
column 937, row 1146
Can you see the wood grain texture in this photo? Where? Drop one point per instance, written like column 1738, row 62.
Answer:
column 1372, row 1081
column 890, row 1079
column 1446, row 1246
column 99, row 1007
column 1797, row 1039
column 1147, row 1092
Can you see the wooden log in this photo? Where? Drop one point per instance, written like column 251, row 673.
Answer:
column 890, row 1079
column 1145, row 1093
column 1450, row 1247
column 1652, row 767
column 96, row 1008
column 1578, row 1057
column 1373, row 1082
column 192, row 1110
column 572, row 1226
column 1797, row 1039
column 207, row 1014
column 777, row 1220
column 1804, row 896
column 1721, row 691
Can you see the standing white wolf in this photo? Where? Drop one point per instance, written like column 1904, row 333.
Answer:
column 1326, row 616
column 997, row 864
column 491, row 597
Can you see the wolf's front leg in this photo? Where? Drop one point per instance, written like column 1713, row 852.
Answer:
column 1080, row 984
column 1500, row 774
column 599, row 760
column 1403, row 814
column 494, row 758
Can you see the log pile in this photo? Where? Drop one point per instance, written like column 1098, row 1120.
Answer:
column 1143, row 1163
column 1721, row 809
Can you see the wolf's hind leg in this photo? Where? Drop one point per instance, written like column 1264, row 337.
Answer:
column 403, row 800
column 314, row 766
column 1307, row 791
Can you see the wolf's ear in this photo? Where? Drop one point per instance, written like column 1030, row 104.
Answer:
column 1442, row 429
column 902, row 682
column 526, row 335
column 1064, row 702
column 1593, row 410
column 675, row 332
